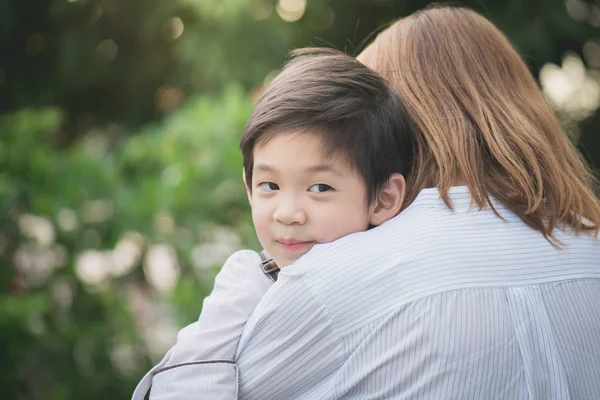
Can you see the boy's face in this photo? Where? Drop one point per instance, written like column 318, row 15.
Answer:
column 300, row 198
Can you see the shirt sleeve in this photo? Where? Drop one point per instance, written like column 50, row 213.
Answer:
column 289, row 347
column 200, row 365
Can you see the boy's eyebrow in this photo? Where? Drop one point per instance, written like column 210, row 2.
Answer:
column 263, row 168
column 314, row 169
column 326, row 168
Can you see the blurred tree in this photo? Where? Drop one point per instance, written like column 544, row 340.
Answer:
column 78, row 313
column 105, row 61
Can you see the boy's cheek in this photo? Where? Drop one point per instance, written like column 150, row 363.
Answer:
column 261, row 227
column 333, row 225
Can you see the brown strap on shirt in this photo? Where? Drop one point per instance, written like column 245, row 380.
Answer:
column 268, row 266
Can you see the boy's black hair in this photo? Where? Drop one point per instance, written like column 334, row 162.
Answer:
column 351, row 108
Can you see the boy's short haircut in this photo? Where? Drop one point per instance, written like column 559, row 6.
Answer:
column 353, row 110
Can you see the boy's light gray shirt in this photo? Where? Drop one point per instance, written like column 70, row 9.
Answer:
column 208, row 346
column 434, row 304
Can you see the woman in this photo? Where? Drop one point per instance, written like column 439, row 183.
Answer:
column 486, row 285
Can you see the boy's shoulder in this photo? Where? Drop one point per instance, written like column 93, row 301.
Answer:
column 244, row 266
column 244, row 257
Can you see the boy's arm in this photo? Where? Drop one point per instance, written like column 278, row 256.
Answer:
column 200, row 365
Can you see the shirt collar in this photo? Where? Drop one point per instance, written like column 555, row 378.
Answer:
column 460, row 198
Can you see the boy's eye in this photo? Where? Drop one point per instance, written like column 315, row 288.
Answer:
column 268, row 186
column 320, row 188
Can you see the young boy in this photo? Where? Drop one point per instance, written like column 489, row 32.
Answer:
column 325, row 152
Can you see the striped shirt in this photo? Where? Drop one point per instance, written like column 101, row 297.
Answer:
column 434, row 304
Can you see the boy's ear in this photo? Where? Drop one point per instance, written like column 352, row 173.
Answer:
column 389, row 200
column 248, row 193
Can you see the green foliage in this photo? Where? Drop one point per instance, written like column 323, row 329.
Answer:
column 171, row 185
column 105, row 61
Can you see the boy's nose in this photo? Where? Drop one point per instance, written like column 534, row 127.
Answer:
column 289, row 213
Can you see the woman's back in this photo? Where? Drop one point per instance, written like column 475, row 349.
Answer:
column 497, row 312
column 524, row 319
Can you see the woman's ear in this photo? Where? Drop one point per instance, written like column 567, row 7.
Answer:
column 389, row 200
column 248, row 191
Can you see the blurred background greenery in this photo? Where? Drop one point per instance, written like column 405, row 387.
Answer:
column 120, row 175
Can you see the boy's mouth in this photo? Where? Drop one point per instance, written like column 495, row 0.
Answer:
column 295, row 245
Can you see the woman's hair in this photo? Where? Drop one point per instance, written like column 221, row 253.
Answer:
column 482, row 120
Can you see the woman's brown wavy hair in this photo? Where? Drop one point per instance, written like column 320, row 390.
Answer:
column 483, row 121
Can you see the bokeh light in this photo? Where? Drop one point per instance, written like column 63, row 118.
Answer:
column 577, row 9
column 177, row 27
column 107, row 50
column 570, row 88
column 161, row 267
column 291, row 10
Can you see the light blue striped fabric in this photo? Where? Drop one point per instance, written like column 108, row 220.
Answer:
column 434, row 304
